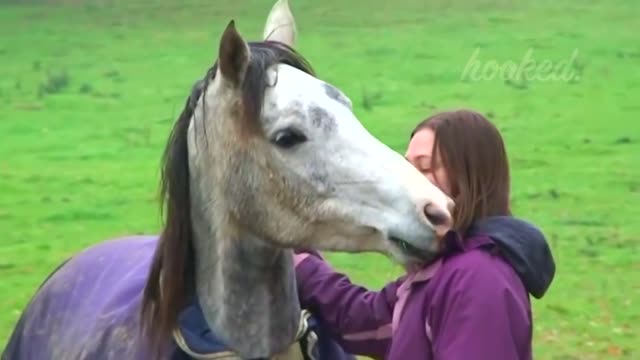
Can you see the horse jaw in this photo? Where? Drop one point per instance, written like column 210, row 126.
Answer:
column 280, row 25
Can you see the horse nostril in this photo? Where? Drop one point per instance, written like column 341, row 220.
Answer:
column 436, row 215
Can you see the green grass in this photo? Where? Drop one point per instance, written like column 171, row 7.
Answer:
column 89, row 91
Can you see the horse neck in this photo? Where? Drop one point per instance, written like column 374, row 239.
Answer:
column 246, row 289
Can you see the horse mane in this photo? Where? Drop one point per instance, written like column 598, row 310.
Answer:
column 172, row 272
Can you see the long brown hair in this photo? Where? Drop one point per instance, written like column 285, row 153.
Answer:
column 475, row 159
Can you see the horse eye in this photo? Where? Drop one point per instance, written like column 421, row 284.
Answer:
column 288, row 138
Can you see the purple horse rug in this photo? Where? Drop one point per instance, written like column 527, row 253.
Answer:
column 89, row 309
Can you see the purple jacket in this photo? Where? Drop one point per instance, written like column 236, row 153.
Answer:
column 472, row 303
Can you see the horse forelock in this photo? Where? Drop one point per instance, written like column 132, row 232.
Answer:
column 172, row 273
column 264, row 54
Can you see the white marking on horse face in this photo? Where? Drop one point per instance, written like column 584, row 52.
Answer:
column 365, row 181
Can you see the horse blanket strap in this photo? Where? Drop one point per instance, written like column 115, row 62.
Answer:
column 195, row 340
column 307, row 338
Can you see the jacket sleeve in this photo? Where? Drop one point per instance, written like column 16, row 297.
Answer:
column 480, row 314
column 359, row 319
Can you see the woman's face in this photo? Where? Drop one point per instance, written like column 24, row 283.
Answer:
column 420, row 154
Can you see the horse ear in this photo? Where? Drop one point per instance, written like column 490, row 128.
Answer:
column 233, row 55
column 280, row 26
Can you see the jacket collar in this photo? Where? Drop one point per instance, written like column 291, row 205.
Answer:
column 453, row 244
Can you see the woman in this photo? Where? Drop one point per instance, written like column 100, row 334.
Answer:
column 473, row 301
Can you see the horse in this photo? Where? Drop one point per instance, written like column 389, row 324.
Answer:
column 264, row 158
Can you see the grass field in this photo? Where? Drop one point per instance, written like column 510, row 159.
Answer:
column 90, row 89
